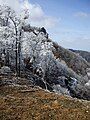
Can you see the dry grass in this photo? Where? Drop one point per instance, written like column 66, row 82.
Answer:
column 27, row 103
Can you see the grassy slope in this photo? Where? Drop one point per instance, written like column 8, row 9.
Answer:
column 27, row 103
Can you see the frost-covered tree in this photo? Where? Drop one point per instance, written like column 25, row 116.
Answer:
column 11, row 30
column 36, row 47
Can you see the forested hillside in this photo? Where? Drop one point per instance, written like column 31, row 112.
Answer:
column 27, row 51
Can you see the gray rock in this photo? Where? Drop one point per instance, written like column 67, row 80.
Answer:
column 5, row 70
column 60, row 90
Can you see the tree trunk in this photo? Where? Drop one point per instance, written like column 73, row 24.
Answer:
column 19, row 53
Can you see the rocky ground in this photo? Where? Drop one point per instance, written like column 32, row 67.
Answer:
column 28, row 102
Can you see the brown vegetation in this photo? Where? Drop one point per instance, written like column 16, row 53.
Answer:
column 27, row 103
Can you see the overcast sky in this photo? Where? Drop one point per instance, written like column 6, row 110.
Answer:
column 67, row 21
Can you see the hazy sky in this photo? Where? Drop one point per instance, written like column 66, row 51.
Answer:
column 67, row 21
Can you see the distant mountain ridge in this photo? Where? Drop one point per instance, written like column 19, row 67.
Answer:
column 73, row 60
column 84, row 54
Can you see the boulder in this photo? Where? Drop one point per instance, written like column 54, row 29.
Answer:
column 5, row 70
column 60, row 90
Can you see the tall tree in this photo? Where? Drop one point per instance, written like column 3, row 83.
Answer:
column 9, row 19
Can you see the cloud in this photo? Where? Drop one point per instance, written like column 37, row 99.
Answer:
column 46, row 21
column 36, row 12
column 37, row 15
column 82, row 14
